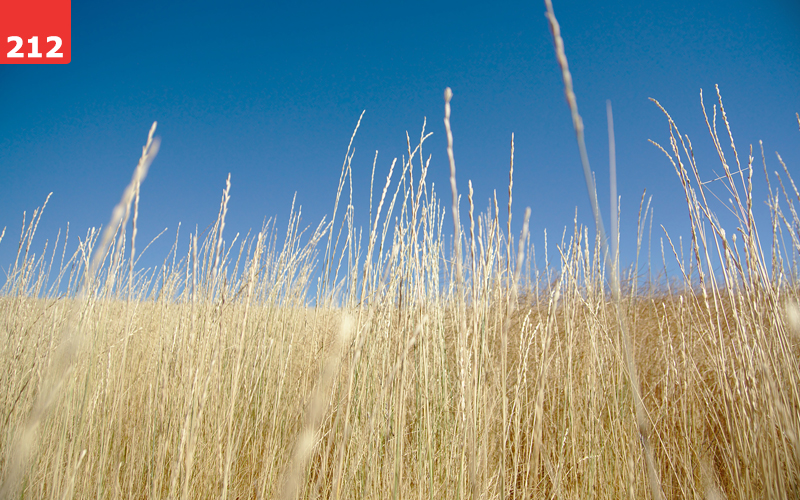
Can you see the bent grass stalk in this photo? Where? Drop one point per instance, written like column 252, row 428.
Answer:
column 642, row 418
column 71, row 335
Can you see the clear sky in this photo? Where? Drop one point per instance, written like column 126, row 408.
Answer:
column 271, row 93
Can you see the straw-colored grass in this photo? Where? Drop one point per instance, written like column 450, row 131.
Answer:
column 311, row 363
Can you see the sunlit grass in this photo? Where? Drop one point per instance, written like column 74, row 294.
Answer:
column 313, row 362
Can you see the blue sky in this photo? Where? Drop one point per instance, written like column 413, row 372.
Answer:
column 271, row 92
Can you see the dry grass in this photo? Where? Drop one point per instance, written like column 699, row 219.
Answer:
column 420, row 370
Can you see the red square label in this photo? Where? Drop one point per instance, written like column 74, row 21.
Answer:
column 35, row 31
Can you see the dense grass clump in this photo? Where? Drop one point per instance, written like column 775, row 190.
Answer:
column 312, row 363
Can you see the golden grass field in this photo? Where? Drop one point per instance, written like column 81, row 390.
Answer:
column 424, row 367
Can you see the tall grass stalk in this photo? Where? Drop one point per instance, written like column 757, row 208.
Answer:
column 642, row 418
